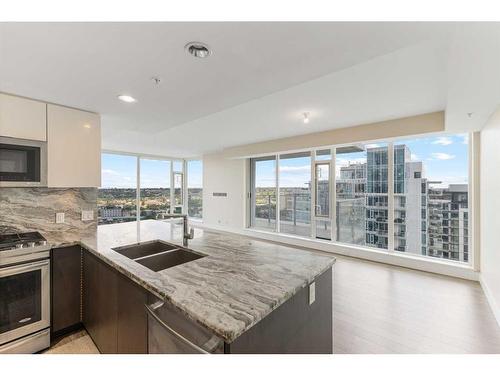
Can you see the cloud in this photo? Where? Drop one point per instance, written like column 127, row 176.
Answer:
column 110, row 172
column 295, row 169
column 443, row 141
column 442, row 156
column 414, row 157
column 115, row 179
column 465, row 138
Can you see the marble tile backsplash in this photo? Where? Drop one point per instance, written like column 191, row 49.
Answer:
column 34, row 209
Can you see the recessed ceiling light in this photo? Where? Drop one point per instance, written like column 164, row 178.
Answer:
column 306, row 117
column 126, row 98
column 198, row 49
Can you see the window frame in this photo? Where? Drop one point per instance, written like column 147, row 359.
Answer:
column 140, row 157
column 472, row 195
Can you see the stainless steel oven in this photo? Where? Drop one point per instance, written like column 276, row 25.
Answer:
column 24, row 295
column 22, row 162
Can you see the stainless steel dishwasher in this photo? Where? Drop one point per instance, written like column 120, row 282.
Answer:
column 171, row 332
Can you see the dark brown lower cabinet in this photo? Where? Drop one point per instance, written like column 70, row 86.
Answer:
column 132, row 322
column 296, row 327
column 115, row 316
column 66, row 289
column 113, row 309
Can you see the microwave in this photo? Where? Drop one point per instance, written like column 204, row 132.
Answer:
column 23, row 163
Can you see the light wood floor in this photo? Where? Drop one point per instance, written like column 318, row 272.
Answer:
column 74, row 343
column 386, row 309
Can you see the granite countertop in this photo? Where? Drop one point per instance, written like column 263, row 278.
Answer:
column 238, row 284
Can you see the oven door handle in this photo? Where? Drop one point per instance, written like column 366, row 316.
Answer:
column 24, row 267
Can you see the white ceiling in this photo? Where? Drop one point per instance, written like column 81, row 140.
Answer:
column 254, row 87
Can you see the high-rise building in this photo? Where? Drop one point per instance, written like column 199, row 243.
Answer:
column 376, row 197
column 448, row 217
column 428, row 220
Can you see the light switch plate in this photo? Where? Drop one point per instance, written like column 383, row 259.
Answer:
column 59, row 217
column 312, row 293
column 87, row 215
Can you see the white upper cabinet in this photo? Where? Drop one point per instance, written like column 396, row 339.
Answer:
column 22, row 118
column 74, row 147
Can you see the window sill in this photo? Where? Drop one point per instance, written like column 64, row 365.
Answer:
column 434, row 265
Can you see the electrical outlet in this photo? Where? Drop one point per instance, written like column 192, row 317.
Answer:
column 87, row 215
column 59, row 217
column 312, row 293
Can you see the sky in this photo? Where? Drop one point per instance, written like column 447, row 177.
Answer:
column 120, row 171
column 445, row 159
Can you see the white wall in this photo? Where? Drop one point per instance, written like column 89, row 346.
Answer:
column 222, row 175
column 490, row 208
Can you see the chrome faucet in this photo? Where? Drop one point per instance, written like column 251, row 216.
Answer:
column 186, row 234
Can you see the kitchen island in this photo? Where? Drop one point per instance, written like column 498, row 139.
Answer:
column 242, row 291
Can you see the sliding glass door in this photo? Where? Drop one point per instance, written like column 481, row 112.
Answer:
column 322, row 200
column 295, row 193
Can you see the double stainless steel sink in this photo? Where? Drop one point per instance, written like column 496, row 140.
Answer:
column 158, row 255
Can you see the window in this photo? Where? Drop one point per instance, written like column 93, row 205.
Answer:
column 361, row 195
column 295, row 193
column 195, row 188
column 437, row 193
column 154, row 187
column 117, row 198
column 159, row 189
column 424, row 212
column 264, row 193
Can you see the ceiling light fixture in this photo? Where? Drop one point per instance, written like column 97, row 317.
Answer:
column 198, row 49
column 126, row 98
column 306, row 117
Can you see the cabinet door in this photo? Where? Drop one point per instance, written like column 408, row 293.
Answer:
column 132, row 318
column 22, row 118
column 66, row 288
column 100, row 303
column 74, row 147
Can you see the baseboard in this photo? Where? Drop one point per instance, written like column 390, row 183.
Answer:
column 65, row 331
column 495, row 308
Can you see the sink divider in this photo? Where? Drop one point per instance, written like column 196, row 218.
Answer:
column 155, row 254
